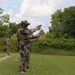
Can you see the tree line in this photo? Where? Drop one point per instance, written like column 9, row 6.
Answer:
column 61, row 34
column 63, row 23
column 7, row 28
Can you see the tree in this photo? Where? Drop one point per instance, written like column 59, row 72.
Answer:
column 56, row 20
column 1, row 10
column 56, row 23
column 4, row 20
column 13, row 27
column 63, row 23
column 69, row 22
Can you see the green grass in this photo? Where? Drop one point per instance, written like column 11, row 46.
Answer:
column 2, row 55
column 40, row 65
column 51, row 51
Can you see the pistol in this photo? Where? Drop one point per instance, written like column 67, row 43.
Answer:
column 39, row 25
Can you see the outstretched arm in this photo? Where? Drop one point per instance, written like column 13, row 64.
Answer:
column 29, row 32
column 37, row 28
column 34, row 38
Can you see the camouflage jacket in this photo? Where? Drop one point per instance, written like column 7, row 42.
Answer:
column 23, row 35
column 8, row 42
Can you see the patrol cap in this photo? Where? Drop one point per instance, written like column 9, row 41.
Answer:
column 25, row 22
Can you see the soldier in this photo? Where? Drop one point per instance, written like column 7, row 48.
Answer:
column 8, row 43
column 23, row 34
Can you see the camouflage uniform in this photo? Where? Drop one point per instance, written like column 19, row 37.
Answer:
column 24, row 47
column 8, row 43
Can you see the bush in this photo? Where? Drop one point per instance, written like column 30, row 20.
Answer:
column 2, row 45
column 41, row 45
column 67, row 44
column 13, row 46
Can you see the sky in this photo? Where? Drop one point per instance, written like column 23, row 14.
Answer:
column 34, row 11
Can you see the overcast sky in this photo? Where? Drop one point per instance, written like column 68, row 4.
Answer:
column 35, row 11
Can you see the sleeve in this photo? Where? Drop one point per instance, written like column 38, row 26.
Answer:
column 33, row 38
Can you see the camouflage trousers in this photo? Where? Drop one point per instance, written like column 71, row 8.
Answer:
column 24, row 57
column 8, row 49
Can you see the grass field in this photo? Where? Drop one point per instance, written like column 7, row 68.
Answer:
column 40, row 65
column 2, row 54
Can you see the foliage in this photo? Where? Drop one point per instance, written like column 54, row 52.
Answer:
column 66, row 44
column 6, row 28
column 1, row 10
column 4, row 19
column 63, row 23
column 14, row 43
column 13, row 27
column 3, row 47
